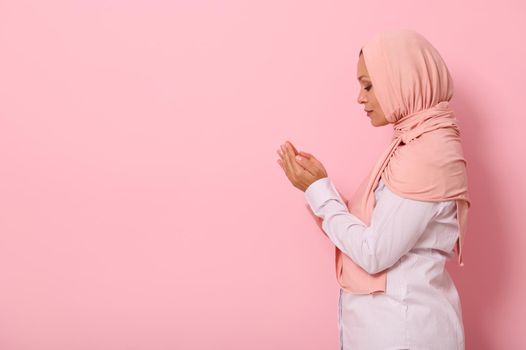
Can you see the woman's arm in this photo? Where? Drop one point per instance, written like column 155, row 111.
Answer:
column 396, row 225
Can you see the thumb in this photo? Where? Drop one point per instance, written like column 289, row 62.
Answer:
column 307, row 163
column 305, row 154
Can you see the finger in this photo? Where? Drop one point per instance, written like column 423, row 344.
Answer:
column 307, row 163
column 282, row 162
column 297, row 166
column 311, row 159
column 305, row 154
column 286, row 159
column 290, row 158
column 281, row 154
column 293, row 148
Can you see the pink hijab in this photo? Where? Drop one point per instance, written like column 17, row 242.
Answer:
column 424, row 160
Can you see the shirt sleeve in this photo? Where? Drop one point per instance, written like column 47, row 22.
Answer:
column 396, row 225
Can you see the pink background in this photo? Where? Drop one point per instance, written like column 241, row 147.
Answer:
column 141, row 205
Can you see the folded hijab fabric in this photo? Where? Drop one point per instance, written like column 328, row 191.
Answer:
column 424, row 160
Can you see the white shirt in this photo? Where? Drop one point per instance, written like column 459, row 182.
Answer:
column 420, row 309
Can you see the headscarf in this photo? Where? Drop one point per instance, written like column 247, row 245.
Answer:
column 425, row 159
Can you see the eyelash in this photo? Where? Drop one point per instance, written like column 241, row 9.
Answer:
column 368, row 88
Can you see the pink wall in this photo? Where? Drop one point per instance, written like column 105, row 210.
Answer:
column 141, row 205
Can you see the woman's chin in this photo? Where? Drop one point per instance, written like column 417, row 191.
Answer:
column 376, row 124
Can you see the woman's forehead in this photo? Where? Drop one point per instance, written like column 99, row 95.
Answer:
column 362, row 73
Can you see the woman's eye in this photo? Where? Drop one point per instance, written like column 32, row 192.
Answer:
column 368, row 88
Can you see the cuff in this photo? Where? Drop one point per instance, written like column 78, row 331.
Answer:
column 319, row 192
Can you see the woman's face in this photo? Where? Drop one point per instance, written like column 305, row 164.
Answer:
column 367, row 96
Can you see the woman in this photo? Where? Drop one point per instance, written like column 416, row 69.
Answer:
column 409, row 214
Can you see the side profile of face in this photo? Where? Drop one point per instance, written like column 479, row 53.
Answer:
column 367, row 96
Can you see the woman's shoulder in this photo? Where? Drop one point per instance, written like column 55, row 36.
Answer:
column 383, row 190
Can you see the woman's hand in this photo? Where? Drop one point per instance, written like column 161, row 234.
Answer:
column 301, row 171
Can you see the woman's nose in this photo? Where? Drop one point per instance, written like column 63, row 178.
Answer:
column 361, row 98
